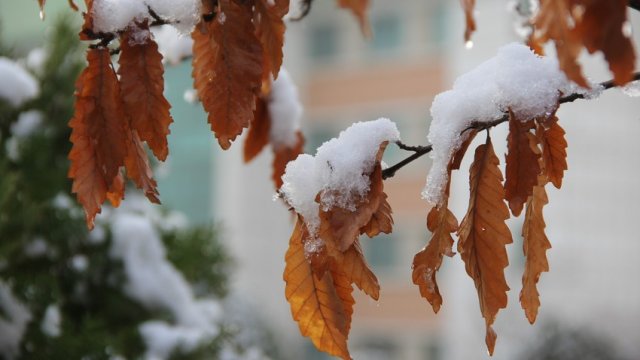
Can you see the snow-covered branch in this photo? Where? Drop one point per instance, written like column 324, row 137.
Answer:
column 419, row 151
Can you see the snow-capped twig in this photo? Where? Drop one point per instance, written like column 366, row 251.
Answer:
column 419, row 151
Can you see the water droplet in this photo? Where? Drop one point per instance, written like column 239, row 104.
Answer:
column 627, row 30
column 41, row 14
column 468, row 44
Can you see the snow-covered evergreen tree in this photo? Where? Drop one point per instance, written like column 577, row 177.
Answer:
column 142, row 284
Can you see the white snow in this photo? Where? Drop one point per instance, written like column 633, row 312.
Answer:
column 36, row 248
column 632, row 89
column 115, row 15
column 285, row 110
column 515, row 79
column 51, row 321
column 154, row 282
column 79, row 263
column 36, row 60
column 338, row 171
column 190, row 96
column 173, row 45
column 14, row 325
column 28, row 122
column 17, row 84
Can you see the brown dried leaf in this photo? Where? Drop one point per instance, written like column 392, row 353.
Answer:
column 270, row 30
column 116, row 190
column 601, row 28
column 227, row 68
column 258, row 134
column 554, row 22
column 142, row 85
column 535, row 246
column 483, row 236
column 98, row 133
column 322, row 306
column 138, row 169
column 281, row 157
column 359, row 9
column 87, row 25
column 456, row 160
column 522, row 167
column 357, row 270
column 442, row 223
column 381, row 221
column 554, row 151
column 342, row 226
column 470, row 23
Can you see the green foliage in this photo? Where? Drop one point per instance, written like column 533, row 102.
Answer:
column 44, row 242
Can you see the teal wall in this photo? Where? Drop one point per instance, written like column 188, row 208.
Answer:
column 189, row 184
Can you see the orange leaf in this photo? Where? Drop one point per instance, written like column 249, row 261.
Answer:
column 554, row 21
column 138, row 169
column 281, row 157
column 142, row 85
column 227, row 68
column 98, row 133
column 522, row 168
column 322, row 306
column 554, row 151
column 381, row 221
column 601, row 27
column 270, row 30
column 359, row 9
column 483, row 235
column 87, row 25
column 342, row 226
column 442, row 223
column 258, row 134
column 357, row 270
column 116, row 191
column 470, row 23
column 535, row 246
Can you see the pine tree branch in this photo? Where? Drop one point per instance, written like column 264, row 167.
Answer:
column 419, row 151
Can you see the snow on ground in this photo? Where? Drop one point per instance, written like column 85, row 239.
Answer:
column 17, row 84
column 285, row 110
column 338, row 170
column 515, row 79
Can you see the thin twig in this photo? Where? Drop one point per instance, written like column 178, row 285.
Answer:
column 391, row 171
column 484, row 125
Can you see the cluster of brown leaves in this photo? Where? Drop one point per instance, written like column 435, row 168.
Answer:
column 237, row 51
column 321, row 268
column 114, row 114
column 596, row 25
column 536, row 155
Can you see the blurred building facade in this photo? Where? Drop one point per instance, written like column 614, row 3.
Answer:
column 416, row 52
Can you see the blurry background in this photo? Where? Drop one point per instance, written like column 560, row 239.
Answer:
column 591, row 296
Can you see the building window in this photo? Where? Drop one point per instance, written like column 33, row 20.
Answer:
column 323, row 42
column 386, row 33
